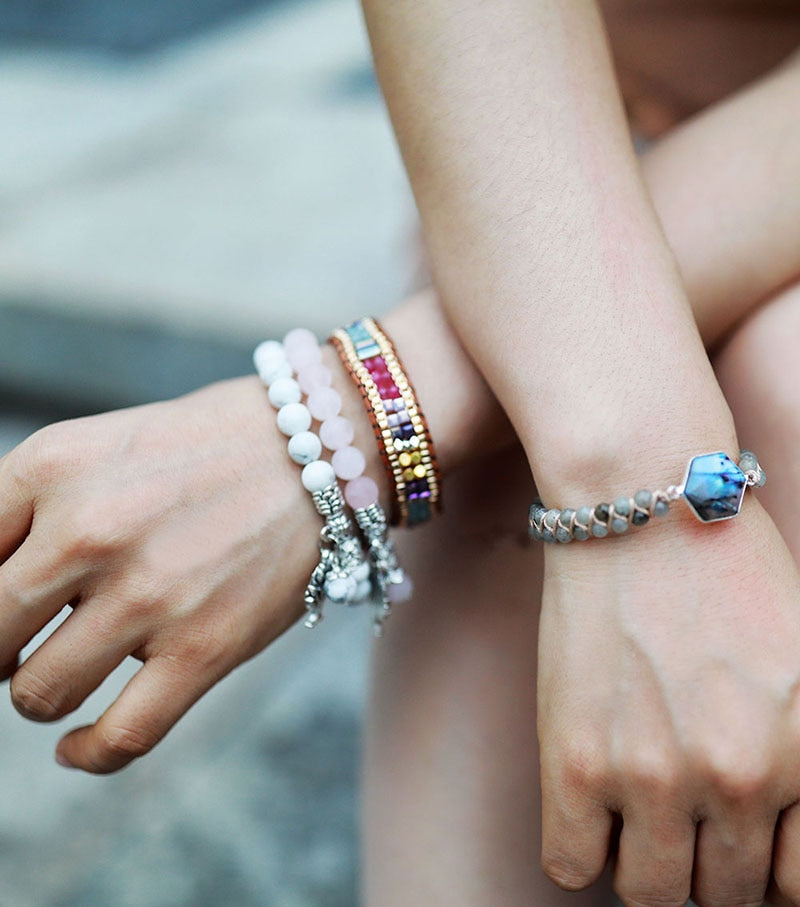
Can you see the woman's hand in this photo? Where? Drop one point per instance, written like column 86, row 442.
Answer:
column 179, row 533
column 670, row 696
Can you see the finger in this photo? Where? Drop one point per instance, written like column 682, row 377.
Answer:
column 656, row 853
column 786, row 858
column 153, row 700
column 34, row 587
column 576, row 826
column 73, row 662
column 733, row 861
column 16, row 504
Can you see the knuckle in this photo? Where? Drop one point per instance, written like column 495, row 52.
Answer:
column 653, row 773
column 736, row 775
column 126, row 743
column 583, row 769
column 566, row 871
column 37, row 698
column 94, row 531
column 48, row 452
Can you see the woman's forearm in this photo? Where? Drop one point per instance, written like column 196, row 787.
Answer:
column 729, row 263
column 547, row 254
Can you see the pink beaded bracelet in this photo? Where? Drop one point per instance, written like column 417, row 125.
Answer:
column 291, row 370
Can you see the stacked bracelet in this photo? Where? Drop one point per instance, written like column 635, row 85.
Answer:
column 293, row 371
column 713, row 487
column 400, row 428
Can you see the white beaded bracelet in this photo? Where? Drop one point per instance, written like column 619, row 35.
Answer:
column 291, row 370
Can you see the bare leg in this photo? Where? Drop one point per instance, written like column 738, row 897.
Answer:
column 451, row 813
column 758, row 370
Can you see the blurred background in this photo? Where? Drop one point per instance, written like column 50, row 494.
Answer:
column 177, row 182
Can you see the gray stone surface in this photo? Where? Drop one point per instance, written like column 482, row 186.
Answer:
column 239, row 184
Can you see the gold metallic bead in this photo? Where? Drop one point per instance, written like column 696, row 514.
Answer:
column 420, row 471
column 405, row 459
column 408, row 474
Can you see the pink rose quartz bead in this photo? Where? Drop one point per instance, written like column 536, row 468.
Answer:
column 314, row 375
column 324, row 403
column 336, row 432
column 348, row 463
column 301, row 355
column 361, row 492
column 299, row 337
column 400, row 592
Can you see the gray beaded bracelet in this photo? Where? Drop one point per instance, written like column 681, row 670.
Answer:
column 713, row 487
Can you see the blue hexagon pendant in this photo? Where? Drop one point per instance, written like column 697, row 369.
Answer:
column 714, row 487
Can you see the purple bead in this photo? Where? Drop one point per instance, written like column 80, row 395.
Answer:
column 404, row 432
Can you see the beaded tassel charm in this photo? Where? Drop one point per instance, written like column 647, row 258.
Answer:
column 392, row 584
column 342, row 574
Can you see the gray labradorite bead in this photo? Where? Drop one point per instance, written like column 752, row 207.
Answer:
column 563, row 535
column 643, row 499
column 533, row 532
column 622, row 506
column 661, row 508
column 748, row 461
column 619, row 525
column 580, row 534
column 639, row 518
column 599, row 531
column 550, row 518
column 566, row 516
column 583, row 516
column 547, row 535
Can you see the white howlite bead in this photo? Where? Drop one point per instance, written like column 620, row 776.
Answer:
column 283, row 391
column 340, row 588
column 363, row 590
column 268, row 353
column 293, row 419
column 269, row 374
column 318, row 475
column 305, row 447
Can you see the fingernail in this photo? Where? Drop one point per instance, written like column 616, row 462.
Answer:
column 63, row 761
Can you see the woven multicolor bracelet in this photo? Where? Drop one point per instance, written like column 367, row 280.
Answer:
column 713, row 487
column 400, row 428
column 299, row 389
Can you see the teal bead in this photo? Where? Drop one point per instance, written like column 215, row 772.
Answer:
column 622, row 506
column 619, row 525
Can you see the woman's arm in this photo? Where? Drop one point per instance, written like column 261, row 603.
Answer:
column 664, row 694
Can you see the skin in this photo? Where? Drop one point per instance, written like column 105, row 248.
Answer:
column 100, row 542
column 667, row 691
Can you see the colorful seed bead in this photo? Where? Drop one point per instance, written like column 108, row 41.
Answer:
column 400, row 428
